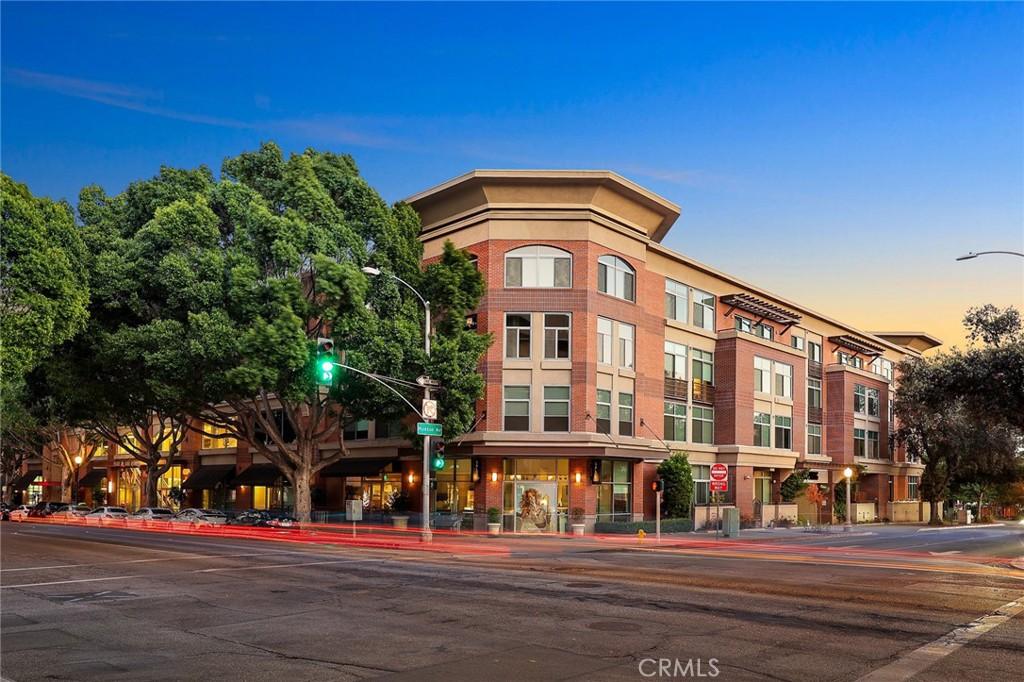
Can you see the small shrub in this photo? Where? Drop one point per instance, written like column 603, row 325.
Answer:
column 631, row 527
column 493, row 515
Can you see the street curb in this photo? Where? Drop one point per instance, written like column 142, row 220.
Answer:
column 1018, row 563
column 973, row 525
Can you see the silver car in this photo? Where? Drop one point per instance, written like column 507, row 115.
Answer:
column 200, row 517
column 152, row 514
column 105, row 514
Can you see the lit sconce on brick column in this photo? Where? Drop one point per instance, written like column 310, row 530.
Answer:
column 595, row 471
column 412, row 478
column 579, row 478
column 494, row 477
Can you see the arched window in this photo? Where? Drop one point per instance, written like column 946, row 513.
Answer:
column 616, row 277
column 538, row 266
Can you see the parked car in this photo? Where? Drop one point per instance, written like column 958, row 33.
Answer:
column 200, row 517
column 264, row 519
column 72, row 513
column 152, row 514
column 44, row 509
column 19, row 513
column 103, row 514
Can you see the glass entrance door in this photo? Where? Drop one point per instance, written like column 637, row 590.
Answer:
column 536, row 509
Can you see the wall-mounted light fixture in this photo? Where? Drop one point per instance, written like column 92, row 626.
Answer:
column 412, row 478
column 579, row 478
column 476, row 470
column 110, row 487
column 494, row 477
column 595, row 471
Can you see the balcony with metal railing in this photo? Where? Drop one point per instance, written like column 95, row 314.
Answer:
column 675, row 388
column 703, row 392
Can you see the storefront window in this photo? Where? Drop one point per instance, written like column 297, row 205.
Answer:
column 536, row 494
column 129, row 488
column 378, row 492
column 165, row 486
column 614, row 492
column 454, row 493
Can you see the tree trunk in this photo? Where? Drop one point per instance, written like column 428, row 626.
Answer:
column 152, row 479
column 303, row 495
column 67, row 491
column 936, row 519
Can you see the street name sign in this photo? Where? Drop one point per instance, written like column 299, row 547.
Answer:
column 428, row 429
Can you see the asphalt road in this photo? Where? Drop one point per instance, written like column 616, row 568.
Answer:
column 95, row 603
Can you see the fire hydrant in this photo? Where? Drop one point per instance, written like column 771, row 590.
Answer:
column 640, row 535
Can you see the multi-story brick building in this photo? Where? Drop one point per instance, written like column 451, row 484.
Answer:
column 610, row 350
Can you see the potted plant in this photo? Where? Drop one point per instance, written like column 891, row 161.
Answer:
column 400, row 510
column 493, row 521
column 578, row 526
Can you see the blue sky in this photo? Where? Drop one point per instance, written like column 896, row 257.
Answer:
column 841, row 155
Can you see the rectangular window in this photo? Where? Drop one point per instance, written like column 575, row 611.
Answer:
column 872, row 445
column 814, row 393
column 701, row 479
column 814, row 439
column 214, row 438
column 703, row 425
column 762, row 375
column 783, row 380
column 556, row 408
column 784, row 433
column 676, row 296
column 517, row 336
column 675, row 360
column 626, row 348
column 604, row 341
column 604, row 411
column 358, row 430
column 744, row 325
column 613, row 492
column 814, row 351
column 873, row 402
column 797, row 342
column 703, row 366
column 858, row 442
column 887, row 369
column 851, row 360
column 762, row 429
column 859, row 399
column 556, row 336
column 703, row 310
column 675, row 421
column 765, row 331
column 913, row 486
column 517, row 408
column 625, row 414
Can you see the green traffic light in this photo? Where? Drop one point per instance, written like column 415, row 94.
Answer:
column 327, row 366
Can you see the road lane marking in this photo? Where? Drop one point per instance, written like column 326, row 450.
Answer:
column 69, row 582
column 952, row 551
column 928, row 655
column 257, row 568
column 189, row 557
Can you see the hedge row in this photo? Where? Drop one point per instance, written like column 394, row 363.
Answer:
column 631, row 527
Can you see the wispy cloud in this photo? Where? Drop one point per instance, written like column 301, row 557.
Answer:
column 677, row 176
column 326, row 128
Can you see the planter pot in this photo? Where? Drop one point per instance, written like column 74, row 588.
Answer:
column 400, row 521
column 578, row 529
column 493, row 528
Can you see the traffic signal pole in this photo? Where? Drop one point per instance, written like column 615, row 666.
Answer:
column 427, row 536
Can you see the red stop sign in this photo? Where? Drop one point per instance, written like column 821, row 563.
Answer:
column 719, row 472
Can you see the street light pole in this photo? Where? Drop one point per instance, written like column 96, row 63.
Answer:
column 427, row 536
column 848, row 473
column 74, row 484
column 972, row 254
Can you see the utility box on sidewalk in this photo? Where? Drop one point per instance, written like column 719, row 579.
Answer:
column 730, row 522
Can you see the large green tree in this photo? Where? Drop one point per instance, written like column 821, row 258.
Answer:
column 677, row 474
column 44, row 291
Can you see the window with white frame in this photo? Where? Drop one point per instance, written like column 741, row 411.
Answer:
column 703, row 310
column 814, row 393
column 765, row 331
column 701, row 484
column 517, row 336
column 604, row 411
column 676, row 300
column 675, row 360
column 517, row 408
column 604, row 341
column 783, row 380
column 858, row 442
column 626, row 345
column 873, row 406
column 813, row 351
column 703, row 366
column 797, row 342
column 744, row 325
column 814, row 439
column 762, row 429
column 913, row 487
column 887, row 369
column 871, row 445
column 556, row 408
column 675, row 420
column 762, row 375
column 556, row 336
column 860, row 399
column 703, row 430
column 625, row 414
column 538, row 266
column 850, row 360
column 784, row 432
column 616, row 277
